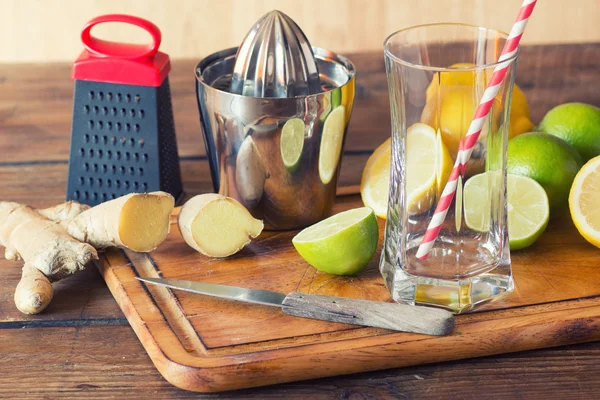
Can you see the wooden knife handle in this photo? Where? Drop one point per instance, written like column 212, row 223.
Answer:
column 395, row 316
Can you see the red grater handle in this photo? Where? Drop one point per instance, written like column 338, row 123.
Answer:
column 105, row 48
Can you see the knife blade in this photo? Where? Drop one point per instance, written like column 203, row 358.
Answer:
column 394, row 316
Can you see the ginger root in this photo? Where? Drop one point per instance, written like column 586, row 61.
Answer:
column 59, row 241
column 139, row 222
column 217, row 226
column 34, row 291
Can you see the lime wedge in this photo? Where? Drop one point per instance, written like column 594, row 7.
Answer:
column 527, row 206
column 331, row 144
column 292, row 143
column 342, row 244
column 330, row 102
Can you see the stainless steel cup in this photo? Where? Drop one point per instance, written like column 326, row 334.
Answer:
column 243, row 134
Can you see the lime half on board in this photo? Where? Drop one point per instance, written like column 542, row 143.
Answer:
column 342, row 244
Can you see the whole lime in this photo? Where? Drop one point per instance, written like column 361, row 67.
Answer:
column 578, row 124
column 550, row 161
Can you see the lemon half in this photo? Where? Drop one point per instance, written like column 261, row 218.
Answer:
column 427, row 166
column 584, row 199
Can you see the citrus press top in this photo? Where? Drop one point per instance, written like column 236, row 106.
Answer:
column 274, row 113
column 275, row 60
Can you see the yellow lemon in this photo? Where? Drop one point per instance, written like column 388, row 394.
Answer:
column 428, row 165
column 584, row 198
column 453, row 92
column 457, row 107
column 375, row 182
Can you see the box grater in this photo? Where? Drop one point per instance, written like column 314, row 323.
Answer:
column 123, row 134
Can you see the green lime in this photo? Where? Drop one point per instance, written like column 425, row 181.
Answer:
column 336, row 97
column 330, row 102
column 547, row 159
column 477, row 200
column 291, row 143
column 331, row 144
column 578, row 124
column 527, row 206
column 342, row 244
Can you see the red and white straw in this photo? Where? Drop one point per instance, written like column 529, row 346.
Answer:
column 466, row 145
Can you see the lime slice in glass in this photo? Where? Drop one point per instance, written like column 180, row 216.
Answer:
column 527, row 206
column 331, row 144
column 292, row 143
column 342, row 244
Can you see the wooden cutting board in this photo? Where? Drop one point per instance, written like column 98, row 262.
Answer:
column 206, row 344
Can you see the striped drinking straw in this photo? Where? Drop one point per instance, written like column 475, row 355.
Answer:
column 466, row 145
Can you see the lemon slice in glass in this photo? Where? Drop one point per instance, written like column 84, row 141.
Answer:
column 331, row 144
column 428, row 166
column 292, row 143
column 342, row 244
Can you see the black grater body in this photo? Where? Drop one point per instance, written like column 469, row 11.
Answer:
column 122, row 141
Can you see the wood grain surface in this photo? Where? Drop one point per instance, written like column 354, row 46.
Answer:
column 83, row 346
column 210, row 344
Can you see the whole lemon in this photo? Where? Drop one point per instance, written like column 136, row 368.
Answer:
column 578, row 124
column 452, row 98
column 550, row 161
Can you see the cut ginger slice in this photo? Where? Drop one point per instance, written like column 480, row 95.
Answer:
column 138, row 221
column 144, row 221
column 217, row 226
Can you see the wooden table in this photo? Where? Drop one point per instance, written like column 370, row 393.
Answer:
column 82, row 346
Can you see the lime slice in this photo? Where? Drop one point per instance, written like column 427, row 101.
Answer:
column 326, row 108
column 527, row 206
column 342, row 244
column 331, row 144
column 292, row 143
column 331, row 102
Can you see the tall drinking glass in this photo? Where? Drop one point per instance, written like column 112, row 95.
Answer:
column 436, row 76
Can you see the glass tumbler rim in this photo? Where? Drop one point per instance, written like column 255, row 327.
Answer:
column 395, row 58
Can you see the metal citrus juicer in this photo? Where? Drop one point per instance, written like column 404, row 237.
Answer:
column 274, row 114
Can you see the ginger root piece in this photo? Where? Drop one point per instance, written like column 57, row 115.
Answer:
column 59, row 241
column 64, row 212
column 137, row 221
column 44, row 245
column 217, row 226
column 34, row 291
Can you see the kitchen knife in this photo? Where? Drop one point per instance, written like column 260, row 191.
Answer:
column 394, row 316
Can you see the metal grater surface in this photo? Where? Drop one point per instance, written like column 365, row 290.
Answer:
column 115, row 148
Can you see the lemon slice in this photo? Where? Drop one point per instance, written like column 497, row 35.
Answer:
column 342, row 244
column 331, row 144
column 584, row 199
column 527, row 205
column 375, row 182
column 292, row 143
column 428, row 166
